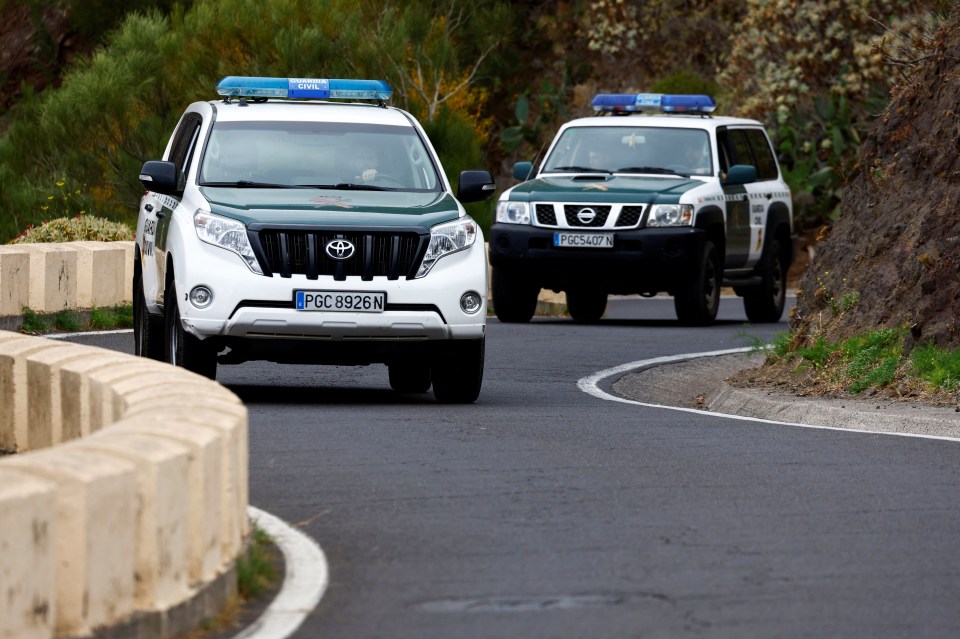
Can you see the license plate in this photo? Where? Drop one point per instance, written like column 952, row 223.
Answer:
column 581, row 240
column 346, row 301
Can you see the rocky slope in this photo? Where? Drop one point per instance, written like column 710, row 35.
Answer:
column 893, row 257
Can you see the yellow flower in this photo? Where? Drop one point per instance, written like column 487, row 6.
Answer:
column 60, row 183
column 49, row 197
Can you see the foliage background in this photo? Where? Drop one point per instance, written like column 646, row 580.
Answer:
column 491, row 81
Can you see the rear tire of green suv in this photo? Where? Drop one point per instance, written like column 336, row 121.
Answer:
column 586, row 305
column 459, row 374
column 182, row 348
column 514, row 298
column 409, row 378
column 765, row 303
column 697, row 302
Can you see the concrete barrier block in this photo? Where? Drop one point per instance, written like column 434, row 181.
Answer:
column 95, row 543
column 162, row 472
column 75, row 400
column 164, row 383
column 14, row 280
column 204, row 478
column 45, row 413
column 28, row 556
column 129, row 249
column 233, row 428
column 151, row 375
column 101, row 271
column 15, row 395
column 53, row 277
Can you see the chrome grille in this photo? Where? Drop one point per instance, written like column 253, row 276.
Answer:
column 570, row 211
column 378, row 254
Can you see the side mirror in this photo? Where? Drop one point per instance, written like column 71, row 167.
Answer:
column 522, row 171
column 740, row 174
column 475, row 186
column 160, row 177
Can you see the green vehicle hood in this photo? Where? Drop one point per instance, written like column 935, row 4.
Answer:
column 331, row 207
column 620, row 189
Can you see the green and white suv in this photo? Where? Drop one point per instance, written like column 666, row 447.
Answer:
column 626, row 202
column 283, row 226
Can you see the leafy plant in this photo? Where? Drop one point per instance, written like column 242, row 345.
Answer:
column 255, row 569
column 79, row 228
column 936, row 366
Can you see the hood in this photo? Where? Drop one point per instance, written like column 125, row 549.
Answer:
column 331, row 207
column 618, row 188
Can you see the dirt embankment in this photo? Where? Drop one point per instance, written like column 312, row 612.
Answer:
column 893, row 257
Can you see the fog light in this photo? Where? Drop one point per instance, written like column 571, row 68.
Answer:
column 471, row 302
column 201, row 296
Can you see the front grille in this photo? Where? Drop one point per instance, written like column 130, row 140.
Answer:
column 629, row 215
column 571, row 211
column 376, row 254
column 545, row 215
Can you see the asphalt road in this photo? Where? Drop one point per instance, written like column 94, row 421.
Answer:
column 541, row 511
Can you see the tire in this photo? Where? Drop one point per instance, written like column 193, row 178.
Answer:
column 182, row 348
column 514, row 298
column 586, row 305
column 697, row 303
column 459, row 375
column 765, row 303
column 147, row 328
column 409, row 378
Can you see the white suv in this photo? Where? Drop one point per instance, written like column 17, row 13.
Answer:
column 282, row 226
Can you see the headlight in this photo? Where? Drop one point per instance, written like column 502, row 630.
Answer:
column 447, row 238
column 670, row 215
column 513, row 212
column 228, row 234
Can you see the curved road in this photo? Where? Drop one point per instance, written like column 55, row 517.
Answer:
column 541, row 511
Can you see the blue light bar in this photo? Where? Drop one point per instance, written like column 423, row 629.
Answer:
column 303, row 88
column 631, row 102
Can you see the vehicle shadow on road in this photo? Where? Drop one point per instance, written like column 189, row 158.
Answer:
column 319, row 395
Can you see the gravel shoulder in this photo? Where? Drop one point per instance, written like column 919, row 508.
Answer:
column 701, row 383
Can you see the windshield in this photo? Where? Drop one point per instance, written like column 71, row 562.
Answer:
column 317, row 154
column 637, row 149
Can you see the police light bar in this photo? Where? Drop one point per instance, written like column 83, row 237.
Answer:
column 303, row 88
column 631, row 102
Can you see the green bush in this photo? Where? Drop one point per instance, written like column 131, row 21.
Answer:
column 116, row 109
column 79, row 228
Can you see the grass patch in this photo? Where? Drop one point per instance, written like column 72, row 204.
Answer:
column 34, row 323
column 256, row 572
column 873, row 360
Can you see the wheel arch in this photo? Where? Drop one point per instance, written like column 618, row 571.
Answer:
column 779, row 227
column 711, row 220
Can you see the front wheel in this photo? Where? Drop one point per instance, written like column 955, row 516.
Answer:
column 458, row 375
column 514, row 298
column 697, row 303
column 585, row 304
column 182, row 348
column 765, row 303
column 409, row 378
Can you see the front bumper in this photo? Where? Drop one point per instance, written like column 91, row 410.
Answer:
column 250, row 306
column 646, row 260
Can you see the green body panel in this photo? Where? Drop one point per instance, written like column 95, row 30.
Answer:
column 331, row 207
column 618, row 189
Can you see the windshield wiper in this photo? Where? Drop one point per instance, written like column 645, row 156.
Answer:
column 577, row 169
column 247, row 184
column 348, row 186
column 649, row 169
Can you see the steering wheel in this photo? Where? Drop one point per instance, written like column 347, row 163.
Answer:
column 389, row 178
column 679, row 168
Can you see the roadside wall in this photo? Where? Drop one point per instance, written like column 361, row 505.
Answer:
column 49, row 278
column 127, row 494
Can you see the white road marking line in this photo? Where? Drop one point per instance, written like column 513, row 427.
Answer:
column 118, row 331
column 304, row 583
column 590, row 385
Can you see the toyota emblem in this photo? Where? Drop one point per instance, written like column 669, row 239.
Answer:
column 340, row 249
column 586, row 215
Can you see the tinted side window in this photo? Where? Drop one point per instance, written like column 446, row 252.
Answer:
column 762, row 153
column 739, row 147
column 184, row 142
